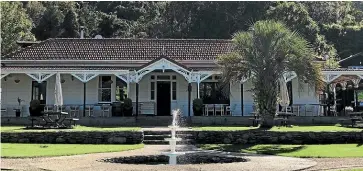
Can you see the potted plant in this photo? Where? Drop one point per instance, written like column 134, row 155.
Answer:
column 198, row 107
column 127, row 107
column 35, row 108
column 116, row 108
column 18, row 109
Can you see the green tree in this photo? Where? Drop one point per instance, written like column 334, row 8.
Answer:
column 50, row 25
column 111, row 26
column 35, row 10
column 89, row 18
column 70, row 25
column 15, row 25
column 207, row 20
column 296, row 16
column 264, row 55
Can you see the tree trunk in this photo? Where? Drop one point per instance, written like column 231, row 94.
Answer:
column 266, row 98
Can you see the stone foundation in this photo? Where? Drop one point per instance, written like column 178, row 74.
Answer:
column 269, row 137
column 117, row 137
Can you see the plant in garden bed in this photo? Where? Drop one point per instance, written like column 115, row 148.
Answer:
column 264, row 55
column 35, row 108
column 127, row 107
column 198, row 107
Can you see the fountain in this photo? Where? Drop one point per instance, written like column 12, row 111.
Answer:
column 187, row 157
column 172, row 141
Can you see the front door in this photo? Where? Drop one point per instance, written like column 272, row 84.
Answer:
column 163, row 98
column 39, row 92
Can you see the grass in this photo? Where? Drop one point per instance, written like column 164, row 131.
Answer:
column 316, row 151
column 76, row 128
column 11, row 150
column 283, row 129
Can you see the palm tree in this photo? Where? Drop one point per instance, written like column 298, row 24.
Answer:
column 263, row 55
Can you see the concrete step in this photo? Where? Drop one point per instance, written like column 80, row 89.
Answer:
column 163, row 142
column 165, row 132
column 156, row 137
column 163, row 136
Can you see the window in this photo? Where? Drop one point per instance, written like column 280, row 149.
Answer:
column 152, row 91
column 163, row 77
column 104, row 89
column 121, row 90
column 173, row 91
column 214, row 92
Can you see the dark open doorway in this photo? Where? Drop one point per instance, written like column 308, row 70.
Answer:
column 39, row 92
column 163, row 98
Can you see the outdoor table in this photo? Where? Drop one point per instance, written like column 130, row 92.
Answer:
column 285, row 116
column 355, row 116
column 255, row 119
column 61, row 116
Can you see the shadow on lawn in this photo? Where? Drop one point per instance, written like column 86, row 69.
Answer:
column 265, row 149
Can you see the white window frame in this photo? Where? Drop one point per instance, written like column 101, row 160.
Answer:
column 100, row 88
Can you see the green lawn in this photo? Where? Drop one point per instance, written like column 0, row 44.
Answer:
column 76, row 128
column 331, row 150
column 357, row 169
column 283, row 129
column 40, row 150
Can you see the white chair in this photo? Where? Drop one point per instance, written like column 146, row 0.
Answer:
column 209, row 108
column 105, row 110
column 296, row 110
column 89, row 110
column 74, row 111
column 309, row 110
column 229, row 110
column 61, row 108
column 48, row 108
column 286, row 109
column 218, row 108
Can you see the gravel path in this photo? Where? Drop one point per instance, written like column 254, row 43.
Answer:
column 92, row 162
column 336, row 163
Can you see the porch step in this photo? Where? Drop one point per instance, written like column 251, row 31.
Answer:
column 165, row 132
column 163, row 142
column 158, row 137
column 155, row 137
column 163, row 136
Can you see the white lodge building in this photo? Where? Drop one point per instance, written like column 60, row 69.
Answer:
column 157, row 74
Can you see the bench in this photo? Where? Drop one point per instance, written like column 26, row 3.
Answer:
column 147, row 108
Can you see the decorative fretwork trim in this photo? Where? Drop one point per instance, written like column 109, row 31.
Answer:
column 40, row 77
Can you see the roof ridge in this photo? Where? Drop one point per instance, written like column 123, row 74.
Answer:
column 227, row 40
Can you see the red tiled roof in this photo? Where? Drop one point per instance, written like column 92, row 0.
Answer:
column 123, row 49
